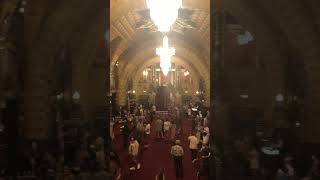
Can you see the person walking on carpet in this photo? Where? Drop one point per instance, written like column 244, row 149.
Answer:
column 161, row 175
column 159, row 128
column 133, row 151
column 177, row 153
column 193, row 146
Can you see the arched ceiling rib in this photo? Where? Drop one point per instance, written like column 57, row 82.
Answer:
column 194, row 72
column 147, row 47
column 140, row 58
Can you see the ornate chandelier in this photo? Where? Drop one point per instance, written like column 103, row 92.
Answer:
column 164, row 13
column 165, row 52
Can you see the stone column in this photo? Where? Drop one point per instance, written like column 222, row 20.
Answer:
column 218, row 105
column 121, row 92
column 309, row 130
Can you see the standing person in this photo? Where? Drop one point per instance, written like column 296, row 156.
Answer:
column 205, row 167
column 173, row 131
column 177, row 153
column 92, row 158
column 195, row 122
column 161, row 175
column 193, row 146
column 130, row 123
column 205, row 137
column 139, row 129
column 147, row 132
column 198, row 132
column 153, row 112
column 134, row 151
column 253, row 158
column 178, row 121
column 100, row 158
column 125, row 134
column 166, row 128
column 189, row 113
column 158, row 128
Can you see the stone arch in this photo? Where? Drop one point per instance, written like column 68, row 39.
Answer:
column 148, row 53
column 193, row 71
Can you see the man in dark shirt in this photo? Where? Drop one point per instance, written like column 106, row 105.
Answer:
column 125, row 134
column 206, row 169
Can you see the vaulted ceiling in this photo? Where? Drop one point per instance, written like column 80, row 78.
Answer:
column 131, row 27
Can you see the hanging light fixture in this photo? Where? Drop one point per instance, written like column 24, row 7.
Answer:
column 165, row 52
column 164, row 13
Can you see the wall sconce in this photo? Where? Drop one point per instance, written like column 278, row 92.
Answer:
column 186, row 73
column 145, row 73
column 244, row 96
column 279, row 98
column 59, row 96
column 197, row 92
column 76, row 96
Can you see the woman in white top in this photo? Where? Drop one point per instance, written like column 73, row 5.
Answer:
column 133, row 151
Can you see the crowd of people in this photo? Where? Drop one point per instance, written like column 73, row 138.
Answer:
column 168, row 127
column 247, row 158
column 91, row 157
column 268, row 160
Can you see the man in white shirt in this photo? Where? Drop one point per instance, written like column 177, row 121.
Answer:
column 193, row 146
column 177, row 153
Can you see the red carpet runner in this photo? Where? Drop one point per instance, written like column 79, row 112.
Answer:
column 156, row 157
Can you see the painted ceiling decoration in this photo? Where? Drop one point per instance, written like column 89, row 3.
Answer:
column 194, row 22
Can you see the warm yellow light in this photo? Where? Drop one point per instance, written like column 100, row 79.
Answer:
column 145, row 73
column 186, row 73
column 164, row 13
column 165, row 53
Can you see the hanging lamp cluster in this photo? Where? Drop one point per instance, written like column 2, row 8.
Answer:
column 164, row 13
